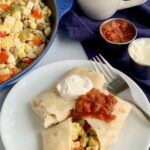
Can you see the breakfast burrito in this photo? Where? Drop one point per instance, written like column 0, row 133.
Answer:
column 71, row 135
column 86, row 133
column 95, row 123
column 104, row 112
column 55, row 104
column 108, row 132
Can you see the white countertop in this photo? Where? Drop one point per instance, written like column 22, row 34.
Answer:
column 61, row 49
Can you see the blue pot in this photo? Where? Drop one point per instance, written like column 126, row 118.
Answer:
column 59, row 8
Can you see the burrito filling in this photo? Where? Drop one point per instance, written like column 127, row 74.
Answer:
column 96, row 105
column 83, row 136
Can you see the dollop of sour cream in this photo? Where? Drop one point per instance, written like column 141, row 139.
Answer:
column 74, row 86
column 139, row 51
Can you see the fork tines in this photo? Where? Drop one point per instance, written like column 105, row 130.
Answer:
column 101, row 65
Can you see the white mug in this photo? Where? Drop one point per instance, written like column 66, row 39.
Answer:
column 103, row 9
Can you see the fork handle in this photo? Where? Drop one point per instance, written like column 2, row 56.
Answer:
column 142, row 111
column 118, row 86
column 127, row 96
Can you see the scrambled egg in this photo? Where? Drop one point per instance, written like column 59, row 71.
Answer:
column 4, row 29
column 9, row 22
column 6, row 43
column 85, row 139
column 18, row 26
column 24, row 30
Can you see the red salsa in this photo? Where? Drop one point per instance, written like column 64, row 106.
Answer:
column 118, row 31
column 78, row 148
column 96, row 105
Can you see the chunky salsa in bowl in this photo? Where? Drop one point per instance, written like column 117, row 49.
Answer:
column 118, row 31
column 25, row 29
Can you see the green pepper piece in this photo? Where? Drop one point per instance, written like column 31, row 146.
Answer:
column 15, row 8
column 24, row 34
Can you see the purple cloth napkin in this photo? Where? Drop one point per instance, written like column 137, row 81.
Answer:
column 79, row 27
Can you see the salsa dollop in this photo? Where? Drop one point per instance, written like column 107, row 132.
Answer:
column 96, row 105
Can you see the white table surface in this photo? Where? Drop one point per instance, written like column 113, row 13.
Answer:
column 61, row 49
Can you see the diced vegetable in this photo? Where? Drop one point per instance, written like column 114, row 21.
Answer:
column 27, row 60
column 86, row 127
column 3, row 57
column 3, row 34
column 79, row 148
column 15, row 8
column 4, row 7
column 4, row 77
column 14, row 71
column 24, row 34
column 37, row 13
column 37, row 40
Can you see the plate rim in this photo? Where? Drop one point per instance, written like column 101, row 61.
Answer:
column 6, row 100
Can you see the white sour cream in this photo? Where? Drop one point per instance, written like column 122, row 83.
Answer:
column 139, row 51
column 74, row 86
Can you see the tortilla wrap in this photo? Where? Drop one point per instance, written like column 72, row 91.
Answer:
column 53, row 108
column 58, row 137
column 107, row 133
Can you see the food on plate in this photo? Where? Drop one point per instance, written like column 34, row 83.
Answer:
column 74, row 86
column 105, row 113
column 24, row 31
column 72, row 135
column 54, row 106
column 87, row 132
column 80, row 117
column 118, row 31
column 139, row 51
column 95, row 104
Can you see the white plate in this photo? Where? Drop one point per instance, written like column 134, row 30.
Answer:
column 20, row 127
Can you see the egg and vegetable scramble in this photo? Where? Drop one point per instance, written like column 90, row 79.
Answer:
column 24, row 31
column 84, row 137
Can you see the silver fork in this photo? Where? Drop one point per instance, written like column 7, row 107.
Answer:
column 115, row 83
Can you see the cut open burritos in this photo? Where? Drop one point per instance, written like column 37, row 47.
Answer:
column 71, row 135
column 94, row 135
column 52, row 107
